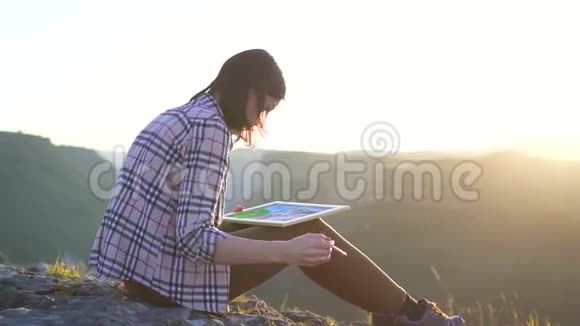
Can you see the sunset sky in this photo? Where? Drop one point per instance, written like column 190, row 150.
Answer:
column 448, row 75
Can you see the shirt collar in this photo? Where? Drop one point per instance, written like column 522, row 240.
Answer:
column 208, row 100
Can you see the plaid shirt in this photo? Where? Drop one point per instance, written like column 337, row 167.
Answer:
column 160, row 226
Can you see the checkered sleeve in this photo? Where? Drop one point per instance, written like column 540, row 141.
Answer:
column 203, row 171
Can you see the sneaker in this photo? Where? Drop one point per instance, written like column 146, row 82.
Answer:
column 433, row 316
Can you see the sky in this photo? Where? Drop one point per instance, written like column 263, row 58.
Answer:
column 446, row 75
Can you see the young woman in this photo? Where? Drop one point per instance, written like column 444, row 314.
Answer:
column 162, row 232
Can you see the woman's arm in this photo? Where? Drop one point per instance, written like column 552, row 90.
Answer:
column 306, row 250
column 235, row 250
column 204, row 168
column 199, row 240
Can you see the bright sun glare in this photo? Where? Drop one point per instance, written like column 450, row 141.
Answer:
column 449, row 75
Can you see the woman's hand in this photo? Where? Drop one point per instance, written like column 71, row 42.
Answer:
column 309, row 249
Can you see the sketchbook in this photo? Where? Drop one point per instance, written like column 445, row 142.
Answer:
column 283, row 213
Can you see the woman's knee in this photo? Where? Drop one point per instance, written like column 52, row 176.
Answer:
column 286, row 233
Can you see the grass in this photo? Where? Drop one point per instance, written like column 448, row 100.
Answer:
column 63, row 269
column 330, row 321
column 507, row 312
column 3, row 258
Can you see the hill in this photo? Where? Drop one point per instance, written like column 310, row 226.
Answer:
column 46, row 203
column 518, row 238
column 515, row 241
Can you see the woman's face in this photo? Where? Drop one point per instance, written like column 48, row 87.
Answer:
column 252, row 108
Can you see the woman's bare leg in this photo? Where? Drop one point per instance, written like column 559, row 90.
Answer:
column 354, row 278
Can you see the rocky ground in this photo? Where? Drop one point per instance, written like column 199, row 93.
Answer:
column 29, row 296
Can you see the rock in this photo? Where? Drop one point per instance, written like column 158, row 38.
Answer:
column 38, row 268
column 28, row 296
column 299, row 316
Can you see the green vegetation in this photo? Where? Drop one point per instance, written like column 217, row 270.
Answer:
column 3, row 258
column 64, row 270
column 508, row 312
column 46, row 204
column 519, row 238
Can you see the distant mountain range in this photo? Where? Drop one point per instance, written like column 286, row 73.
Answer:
column 519, row 236
column 46, row 207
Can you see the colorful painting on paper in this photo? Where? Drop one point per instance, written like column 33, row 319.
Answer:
column 279, row 212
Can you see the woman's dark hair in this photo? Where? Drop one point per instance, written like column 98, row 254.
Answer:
column 252, row 69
